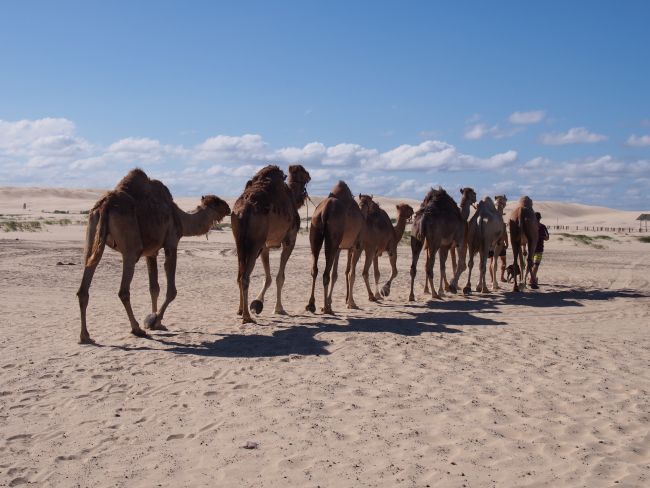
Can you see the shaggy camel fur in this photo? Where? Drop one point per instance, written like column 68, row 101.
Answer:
column 523, row 232
column 266, row 216
column 338, row 222
column 380, row 237
column 468, row 195
column 485, row 231
column 137, row 219
column 440, row 224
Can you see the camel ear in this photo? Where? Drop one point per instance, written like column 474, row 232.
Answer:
column 461, row 190
column 371, row 197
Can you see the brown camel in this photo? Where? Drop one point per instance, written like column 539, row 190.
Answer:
column 380, row 236
column 485, row 231
column 523, row 232
column 500, row 202
column 338, row 222
column 439, row 224
column 264, row 217
column 468, row 195
column 137, row 219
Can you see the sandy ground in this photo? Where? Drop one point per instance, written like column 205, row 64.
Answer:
column 543, row 388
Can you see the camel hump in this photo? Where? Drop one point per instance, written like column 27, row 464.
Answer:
column 342, row 191
column 526, row 201
column 261, row 190
column 438, row 201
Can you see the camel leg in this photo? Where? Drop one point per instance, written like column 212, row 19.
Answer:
column 443, row 272
column 316, row 244
column 375, row 268
column 331, row 253
column 171, row 256
column 431, row 261
column 461, row 250
column 483, row 268
column 154, row 287
column 246, row 265
column 503, row 269
column 287, row 249
column 453, row 267
column 128, row 268
column 385, row 291
column 470, row 266
column 494, row 264
column 356, row 254
column 84, row 297
column 334, row 275
column 257, row 305
column 416, row 248
column 365, row 273
column 515, row 253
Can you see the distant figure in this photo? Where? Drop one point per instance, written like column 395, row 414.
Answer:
column 539, row 250
column 24, row 206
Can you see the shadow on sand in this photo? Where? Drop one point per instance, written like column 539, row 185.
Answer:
column 435, row 318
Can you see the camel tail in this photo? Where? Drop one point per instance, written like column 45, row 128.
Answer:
column 94, row 252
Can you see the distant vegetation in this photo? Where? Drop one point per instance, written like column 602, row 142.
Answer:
column 588, row 240
column 644, row 239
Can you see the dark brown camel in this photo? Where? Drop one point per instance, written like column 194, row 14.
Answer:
column 524, row 231
column 137, row 219
column 439, row 224
column 467, row 199
column 337, row 221
column 264, row 217
column 379, row 237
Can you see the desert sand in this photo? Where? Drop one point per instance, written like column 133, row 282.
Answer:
column 549, row 387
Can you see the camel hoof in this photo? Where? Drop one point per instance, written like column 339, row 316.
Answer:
column 453, row 289
column 385, row 291
column 515, row 289
column 372, row 298
column 152, row 322
column 485, row 290
column 467, row 290
column 248, row 320
column 87, row 340
column 327, row 310
column 311, row 307
column 240, row 312
column 139, row 332
column 353, row 306
column 256, row 307
column 280, row 311
column 411, row 298
column 478, row 288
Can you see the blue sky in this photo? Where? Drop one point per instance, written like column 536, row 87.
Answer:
column 549, row 99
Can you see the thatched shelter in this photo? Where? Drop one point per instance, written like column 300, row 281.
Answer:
column 643, row 218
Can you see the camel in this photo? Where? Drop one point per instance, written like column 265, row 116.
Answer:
column 264, row 217
column 138, row 218
column 523, row 232
column 338, row 222
column 485, row 231
column 439, row 224
column 500, row 203
column 380, row 236
column 469, row 196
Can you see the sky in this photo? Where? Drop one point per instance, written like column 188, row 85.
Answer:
column 549, row 99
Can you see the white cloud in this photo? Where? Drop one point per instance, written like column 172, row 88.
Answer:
column 478, row 131
column 575, row 135
column 638, row 141
column 229, row 149
column 531, row 117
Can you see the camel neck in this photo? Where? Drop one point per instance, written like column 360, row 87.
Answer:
column 195, row 223
column 399, row 227
column 464, row 209
column 297, row 193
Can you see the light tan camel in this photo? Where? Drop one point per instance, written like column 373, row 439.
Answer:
column 468, row 198
column 337, row 222
column 264, row 217
column 484, row 232
column 137, row 219
column 523, row 232
column 500, row 202
column 379, row 237
column 440, row 224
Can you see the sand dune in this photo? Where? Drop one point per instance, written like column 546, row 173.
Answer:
column 544, row 388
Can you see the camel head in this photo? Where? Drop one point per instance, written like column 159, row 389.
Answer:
column 468, row 196
column 525, row 201
column 500, row 201
column 216, row 204
column 367, row 205
column 298, row 179
column 404, row 211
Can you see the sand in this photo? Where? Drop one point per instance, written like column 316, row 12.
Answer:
column 543, row 388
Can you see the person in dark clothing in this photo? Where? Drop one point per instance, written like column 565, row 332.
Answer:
column 539, row 250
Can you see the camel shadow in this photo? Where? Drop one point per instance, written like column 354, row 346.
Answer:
column 301, row 339
column 568, row 297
